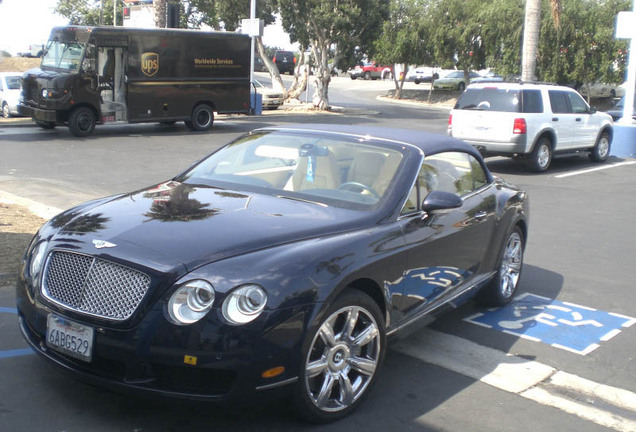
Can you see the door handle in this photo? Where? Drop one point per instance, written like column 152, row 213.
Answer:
column 481, row 215
column 578, row 119
column 555, row 119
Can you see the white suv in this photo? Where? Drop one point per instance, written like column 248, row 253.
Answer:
column 533, row 121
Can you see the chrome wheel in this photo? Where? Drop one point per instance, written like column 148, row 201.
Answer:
column 510, row 267
column 601, row 150
column 342, row 359
column 603, row 147
column 543, row 156
column 5, row 110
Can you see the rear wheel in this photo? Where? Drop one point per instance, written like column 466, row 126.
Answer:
column 341, row 358
column 202, row 118
column 367, row 75
column 504, row 285
column 81, row 122
column 461, row 86
column 541, row 156
column 601, row 149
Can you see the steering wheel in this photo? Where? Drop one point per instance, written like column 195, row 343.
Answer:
column 358, row 187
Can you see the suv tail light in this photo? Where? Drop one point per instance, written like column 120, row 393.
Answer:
column 274, row 59
column 450, row 124
column 519, row 126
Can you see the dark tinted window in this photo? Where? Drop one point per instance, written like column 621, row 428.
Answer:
column 532, row 101
column 559, row 101
column 578, row 104
column 489, row 99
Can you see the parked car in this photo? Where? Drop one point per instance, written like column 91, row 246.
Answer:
column 285, row 61
column 33, row 50
column 454, row 81
column 272, row 99
column 9, row 93
column 369, row 71
column 284, row 260
column 617, row 110
column 601, row 90
column 422, row 75
column 487, row 77
column 259, row 64
column 533, row 121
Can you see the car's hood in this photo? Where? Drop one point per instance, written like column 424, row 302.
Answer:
column 197, row 224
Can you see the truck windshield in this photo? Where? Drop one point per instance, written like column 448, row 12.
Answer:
column 63, row 55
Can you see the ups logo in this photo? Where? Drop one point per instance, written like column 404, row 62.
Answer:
column 150, row 63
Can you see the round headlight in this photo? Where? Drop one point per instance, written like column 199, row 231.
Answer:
column 37, row 259
column 45, row 93
column 244, row 304
column 191, row 302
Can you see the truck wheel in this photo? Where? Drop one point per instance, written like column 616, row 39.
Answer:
column 540, row 158
column 367, row 75
column 5, row 110
column 45, row 124
column 601, row 149
column 202, row 118
column 81, row 122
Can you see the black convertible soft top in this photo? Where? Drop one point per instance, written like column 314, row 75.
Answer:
column 429, row 143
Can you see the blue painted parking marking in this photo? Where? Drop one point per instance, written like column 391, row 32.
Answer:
column 563, row 325
column 13, row 352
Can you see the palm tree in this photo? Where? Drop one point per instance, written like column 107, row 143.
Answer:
column 160, row 13
column 532, row 26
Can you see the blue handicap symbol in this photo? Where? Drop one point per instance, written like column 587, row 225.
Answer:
column 567, row 326
column 13, row 352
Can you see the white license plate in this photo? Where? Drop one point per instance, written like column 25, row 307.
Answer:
column 70, row 338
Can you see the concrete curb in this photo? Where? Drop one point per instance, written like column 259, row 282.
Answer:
column 414, row 103
column 42, row 210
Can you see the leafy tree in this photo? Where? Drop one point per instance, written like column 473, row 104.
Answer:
column 323, row 24
column 87, row 12
column 404, row 39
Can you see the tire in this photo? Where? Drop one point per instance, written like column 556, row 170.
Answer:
column 541, row 156
column 601, row 149
column 367, row 75
column 612, row 93
column 461, row 86
column 337, row 372
column 202, row 118
column 416, row 81
column 352, row 77
column 501, row 289
column 5, row 110
column 81, row 122
column 45, row 124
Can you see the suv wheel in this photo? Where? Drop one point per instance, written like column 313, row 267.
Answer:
column 540, row 158
column 601, row 149
column 461, row 86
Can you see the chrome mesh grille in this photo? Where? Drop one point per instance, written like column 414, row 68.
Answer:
column 93, row 286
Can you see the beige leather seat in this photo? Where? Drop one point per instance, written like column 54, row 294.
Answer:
column 325, row 173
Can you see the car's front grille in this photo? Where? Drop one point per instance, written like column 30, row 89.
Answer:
column 93, row 286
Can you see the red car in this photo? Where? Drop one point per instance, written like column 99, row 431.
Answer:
column 369, row 71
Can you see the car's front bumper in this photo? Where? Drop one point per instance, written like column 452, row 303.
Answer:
column 38, row 114
column 207, row 360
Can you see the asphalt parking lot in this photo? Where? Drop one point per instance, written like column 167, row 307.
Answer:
column 575, row 314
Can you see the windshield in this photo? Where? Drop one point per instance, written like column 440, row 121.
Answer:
column 63, row 55
column 304, row 166
column 13, row 82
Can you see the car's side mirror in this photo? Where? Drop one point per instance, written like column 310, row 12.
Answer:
column 592, row 110
column 440, row 200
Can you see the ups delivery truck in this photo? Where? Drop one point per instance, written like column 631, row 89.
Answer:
column 98, row 75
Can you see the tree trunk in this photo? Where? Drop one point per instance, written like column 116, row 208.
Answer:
column 301, row 76
column 159, row 7
column 399, row 81
column 531, row 29
column 277, row 81
column 320, row 51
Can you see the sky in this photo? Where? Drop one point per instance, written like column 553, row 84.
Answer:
column 26, row 22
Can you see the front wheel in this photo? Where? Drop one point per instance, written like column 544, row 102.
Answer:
column 461, row 86
column 503, row 286
column 202, row 118
column 541, row 156
column 342, row 355
column 601, row 149
column 5, row 110
column 81, row 122
column 367, row 75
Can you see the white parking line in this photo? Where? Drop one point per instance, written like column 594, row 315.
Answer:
column 585, row 171
column 529, row 379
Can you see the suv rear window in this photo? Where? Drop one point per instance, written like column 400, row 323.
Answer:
column 501, row 99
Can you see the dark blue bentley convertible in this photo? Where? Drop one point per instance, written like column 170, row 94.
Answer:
column 287, row 258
